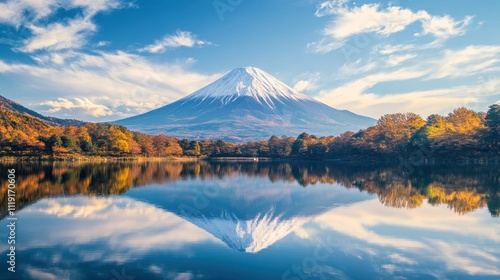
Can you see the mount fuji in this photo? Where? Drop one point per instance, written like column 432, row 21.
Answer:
column 246, row 104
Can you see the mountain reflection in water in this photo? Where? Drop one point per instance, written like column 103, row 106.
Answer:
column 253, row 220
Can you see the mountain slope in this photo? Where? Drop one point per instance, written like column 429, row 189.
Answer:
column 246, row 104
column 16, row 107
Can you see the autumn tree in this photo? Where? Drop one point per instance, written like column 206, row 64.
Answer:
column 146, row 143
column 117, row 139
column 166, row 146
column 395, row 130
column 464, row 121
column 280, row 147
column 173, row 148
column 84, row 139
column 341, row 145
column 196, row 149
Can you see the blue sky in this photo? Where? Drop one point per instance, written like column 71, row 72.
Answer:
column 108, row 59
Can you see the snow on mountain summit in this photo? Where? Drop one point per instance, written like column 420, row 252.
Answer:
column 248, row 81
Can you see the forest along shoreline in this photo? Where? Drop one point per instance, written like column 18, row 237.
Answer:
column 462, row 137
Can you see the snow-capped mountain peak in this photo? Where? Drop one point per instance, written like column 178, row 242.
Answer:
column 247, row 81
column 246, row 104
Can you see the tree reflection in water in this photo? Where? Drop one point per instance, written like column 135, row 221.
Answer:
column 463, row 189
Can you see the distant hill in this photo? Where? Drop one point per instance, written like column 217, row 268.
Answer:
column 247, row 104
column 16, row 107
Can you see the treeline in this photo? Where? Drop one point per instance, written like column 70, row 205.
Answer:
column 23, row 135
column 462, row 133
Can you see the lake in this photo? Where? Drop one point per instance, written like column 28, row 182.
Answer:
column 252, row 220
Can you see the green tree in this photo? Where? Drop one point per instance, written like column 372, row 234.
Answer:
column 55, row 141
column 300, row 147
column 493, row 124
column 69, row 142
column 493, row 116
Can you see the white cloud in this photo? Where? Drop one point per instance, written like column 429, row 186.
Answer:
column 302, row 233
column 93, row 7
column 59, row 36
column 360, row 77
column 468, row 61
column 307, row 82
column 395, row 60
column 125, row 83
column 303, row 85
column 355, row 95
column 47, row 35
column 395, row 257
column 356, row 67
column 181, row 39
column 87, row 106
column 4, row 67
column 325, row 45
column 15, row 12
column 372, row 18
column 330, row 7
column 390, row 49
column 102, row 44
column 443, row 27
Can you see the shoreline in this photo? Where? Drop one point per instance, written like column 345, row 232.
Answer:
column 355, row 160
column 94, row 159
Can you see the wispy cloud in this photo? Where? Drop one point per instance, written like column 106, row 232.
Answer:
column 443, row 27
column 307, row 82
column 59, row 36
column 468, row 61
column 373, row 18
column 103, row 85
column 395, row 60
column 180, row 39
column 387, row 49
column 17, row 12
column 83, row 104
column 50, row 35
column 101, row 44
column 425, row 57
column 357, row 67
column 125, row 83
column 357, row 94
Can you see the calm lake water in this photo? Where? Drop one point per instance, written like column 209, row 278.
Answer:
column 263, row 220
